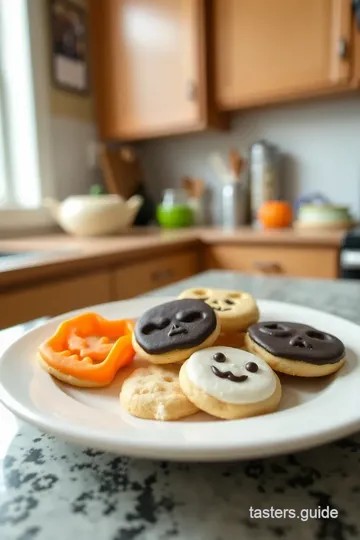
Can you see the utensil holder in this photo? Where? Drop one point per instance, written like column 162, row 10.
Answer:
column 233, row 203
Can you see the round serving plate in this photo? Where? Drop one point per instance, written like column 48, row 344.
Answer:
column 311, row 412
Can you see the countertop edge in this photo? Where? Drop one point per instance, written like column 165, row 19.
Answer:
column 89, row 255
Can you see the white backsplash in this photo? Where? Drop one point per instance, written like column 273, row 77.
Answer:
column 72, row 139
column 320, row 141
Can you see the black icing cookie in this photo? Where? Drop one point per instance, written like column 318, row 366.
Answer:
column 181, row 324
column 297, row 342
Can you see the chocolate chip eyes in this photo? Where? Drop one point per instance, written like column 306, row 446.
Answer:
column 189, row 316
column 252, row 367
column 219, row 357
column 229, row 302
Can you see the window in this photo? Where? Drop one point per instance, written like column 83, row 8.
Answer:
column 25, row 142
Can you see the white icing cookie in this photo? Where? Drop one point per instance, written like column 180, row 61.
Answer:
column 230, row 383
column 237, row 310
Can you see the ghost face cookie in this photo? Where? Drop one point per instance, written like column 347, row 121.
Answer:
column 296, row 349
column 154, row 393
column 230, row 383
column 236, row 310
column 172, row 331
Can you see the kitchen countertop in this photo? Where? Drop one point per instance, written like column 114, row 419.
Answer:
column 61, row 254
column 50, row 489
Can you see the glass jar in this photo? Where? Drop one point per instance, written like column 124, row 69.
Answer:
column 174, row 210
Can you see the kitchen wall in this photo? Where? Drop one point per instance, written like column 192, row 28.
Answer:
column 320, row 142
column 73, row 132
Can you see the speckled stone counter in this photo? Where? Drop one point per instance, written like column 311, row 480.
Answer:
column 51, row 490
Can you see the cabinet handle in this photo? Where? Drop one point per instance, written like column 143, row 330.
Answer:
column 161, row 275
column 267, row 267
column 342, row 48
column 191, row 91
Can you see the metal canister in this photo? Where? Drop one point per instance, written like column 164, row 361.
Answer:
column 233, row 202
column 264, row 175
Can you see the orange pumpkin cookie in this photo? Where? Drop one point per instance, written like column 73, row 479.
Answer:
column 88, row 350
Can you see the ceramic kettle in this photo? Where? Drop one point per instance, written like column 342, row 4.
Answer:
column 94, row 215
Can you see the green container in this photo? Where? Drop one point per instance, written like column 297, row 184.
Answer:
column 175, row 216
column 174, row 210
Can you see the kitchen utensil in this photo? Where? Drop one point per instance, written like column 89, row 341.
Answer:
column 121, row 169
column 195, row 188
column 94, row 215
column 264, row 175
column 174, row 210
column 237, row 164
column 233, row 203
column 311, row 413
column 223, row 173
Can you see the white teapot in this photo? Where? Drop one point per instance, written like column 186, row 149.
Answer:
column 94, row 215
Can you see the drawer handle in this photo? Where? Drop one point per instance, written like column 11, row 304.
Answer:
column 267, row 267
column 161, row 275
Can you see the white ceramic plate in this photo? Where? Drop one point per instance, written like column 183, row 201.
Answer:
column 311, row 411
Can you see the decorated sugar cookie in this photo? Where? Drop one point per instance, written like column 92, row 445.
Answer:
column 237, row 310
column 153, row 392
column 88, row 350
column 230, row 383
column 171, row 332
column 296, row 349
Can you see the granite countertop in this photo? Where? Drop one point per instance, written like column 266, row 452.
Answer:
column 50, row 489
column 54, row 255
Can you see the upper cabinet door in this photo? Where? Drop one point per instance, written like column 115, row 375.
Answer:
column 272, row 50
column 148, row 66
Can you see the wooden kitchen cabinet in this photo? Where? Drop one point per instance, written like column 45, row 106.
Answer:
column 54, row 298
column 268, row 51
column 149, row 65
column 141, row 277
column 299, row 261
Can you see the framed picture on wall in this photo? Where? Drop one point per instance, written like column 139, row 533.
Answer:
column 69, row 55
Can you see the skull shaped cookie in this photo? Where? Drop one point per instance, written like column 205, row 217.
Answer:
column 236, row 310
column 172, row 331
column 230, row 383
column 296, row 349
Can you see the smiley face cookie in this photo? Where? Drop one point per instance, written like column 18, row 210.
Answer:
column 296, row 349
column 154, row 393
column 172, row 331
column 230, row 383
column 236, row 310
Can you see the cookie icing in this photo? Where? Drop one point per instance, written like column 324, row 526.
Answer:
column 297, row 341
column 180, row 324
column 240, row 382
